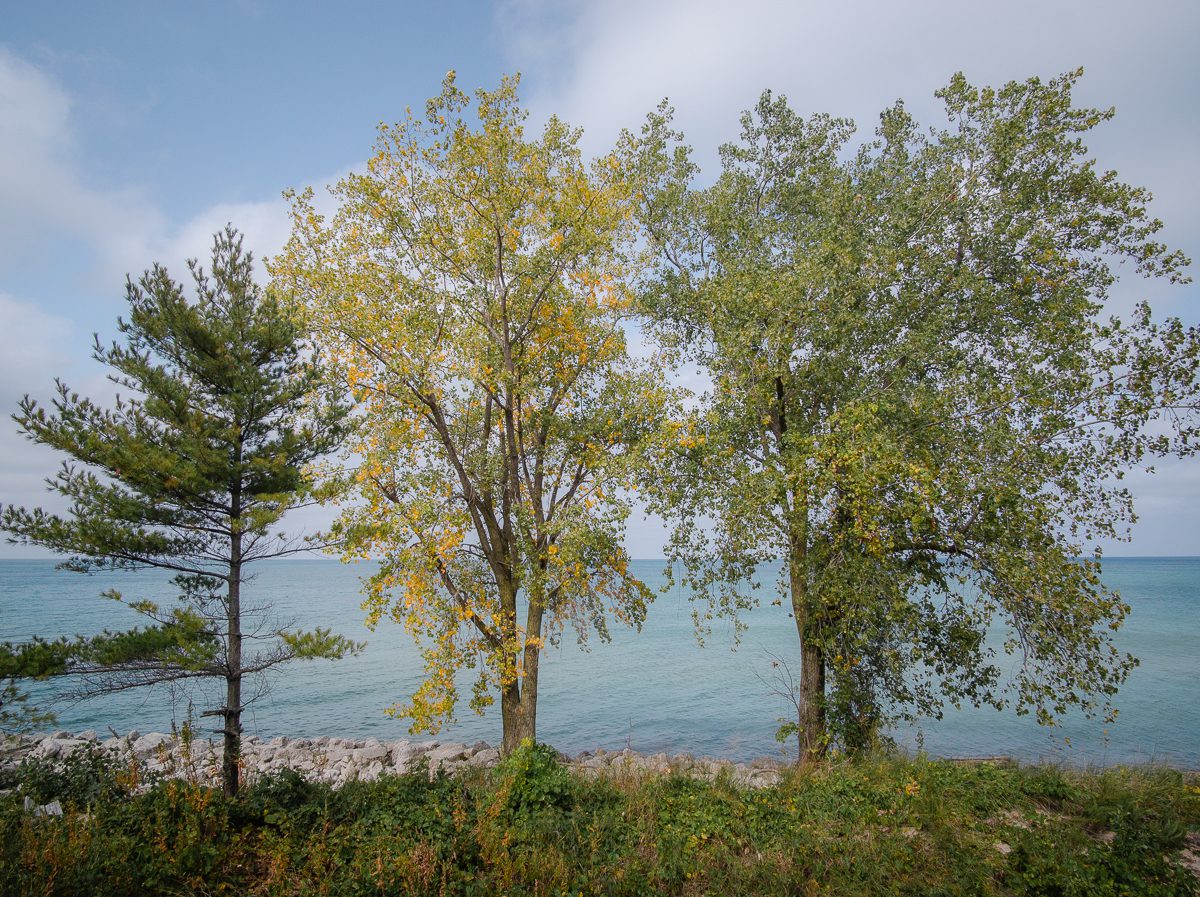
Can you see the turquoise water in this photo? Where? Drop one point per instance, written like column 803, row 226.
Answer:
column 656, row 690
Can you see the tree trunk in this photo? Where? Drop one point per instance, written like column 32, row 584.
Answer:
column 231, row 760
column 812, row 735
column 518, row 703
column 518, row 711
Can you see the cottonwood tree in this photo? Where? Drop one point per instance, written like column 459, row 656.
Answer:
column 189, row 472
column 919, row 404
column 471, row 287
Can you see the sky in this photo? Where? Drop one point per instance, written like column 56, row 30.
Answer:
column 130, row 132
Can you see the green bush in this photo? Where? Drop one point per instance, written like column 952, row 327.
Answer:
column 86, row 776
column 531, row 779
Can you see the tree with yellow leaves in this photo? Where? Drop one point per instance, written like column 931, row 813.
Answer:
column 470, row 287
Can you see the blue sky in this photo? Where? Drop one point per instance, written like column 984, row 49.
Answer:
column 130, row 132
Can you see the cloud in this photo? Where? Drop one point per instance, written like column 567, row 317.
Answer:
column 43, row 194
column 37, row 348
column 264, row 226
column 70, row 244
column 604, row 65
column 48, row 200
column 35, row 342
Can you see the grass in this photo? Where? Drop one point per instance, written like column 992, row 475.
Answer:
column 876, row 825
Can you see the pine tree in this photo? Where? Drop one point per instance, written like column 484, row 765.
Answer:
column 189, row 473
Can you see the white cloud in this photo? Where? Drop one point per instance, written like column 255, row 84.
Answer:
column 264, row 227
column 35, row 342
column 46, row 201
column 43, row 194
column 604, row 65
column 46, row 197
column 38, row 347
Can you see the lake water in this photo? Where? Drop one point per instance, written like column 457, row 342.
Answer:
column 656, row 690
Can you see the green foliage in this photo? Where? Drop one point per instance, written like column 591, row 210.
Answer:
column 471, row 292
column 16, row 713
column 35, row 659
column 190, row 471
column 286, row 796
column 877, row 826
column 184, row 640
column 531, row 778
column 918, row 404
column 320, row 642
column 85, row 777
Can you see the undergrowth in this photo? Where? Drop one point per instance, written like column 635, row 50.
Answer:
column 881, row 825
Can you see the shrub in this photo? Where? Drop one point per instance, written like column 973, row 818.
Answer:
column 86, row 776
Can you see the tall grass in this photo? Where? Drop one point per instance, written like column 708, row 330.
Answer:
column 875, row 825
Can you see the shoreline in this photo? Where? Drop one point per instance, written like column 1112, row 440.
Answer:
column 336, row 760
column 339, row 760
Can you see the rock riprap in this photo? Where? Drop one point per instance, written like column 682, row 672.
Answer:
column 339, row 760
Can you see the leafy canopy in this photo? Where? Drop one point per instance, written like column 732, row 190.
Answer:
column 470, row 286
column 918, row 403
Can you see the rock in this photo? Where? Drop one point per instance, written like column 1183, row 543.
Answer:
column 59, row 747
column 762, row 778
column 451, row 752
column 338, row 760
column 54, row 808
column 150, row 743
column 371, row 753
column 403, row 756
column 487, row 757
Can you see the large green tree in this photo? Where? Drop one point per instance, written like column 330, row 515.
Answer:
column 919, row 405
column 471, row 288
column 188, row 472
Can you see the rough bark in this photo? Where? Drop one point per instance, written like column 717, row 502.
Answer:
column 518, row 711
column 812, row 735
column 230, row 763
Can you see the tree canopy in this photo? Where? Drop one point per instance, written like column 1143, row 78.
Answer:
column 471, row 289
column 919, row 405
column 190, row 472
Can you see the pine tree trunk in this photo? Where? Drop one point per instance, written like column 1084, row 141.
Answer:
column 231, row 761
column 812, row 735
